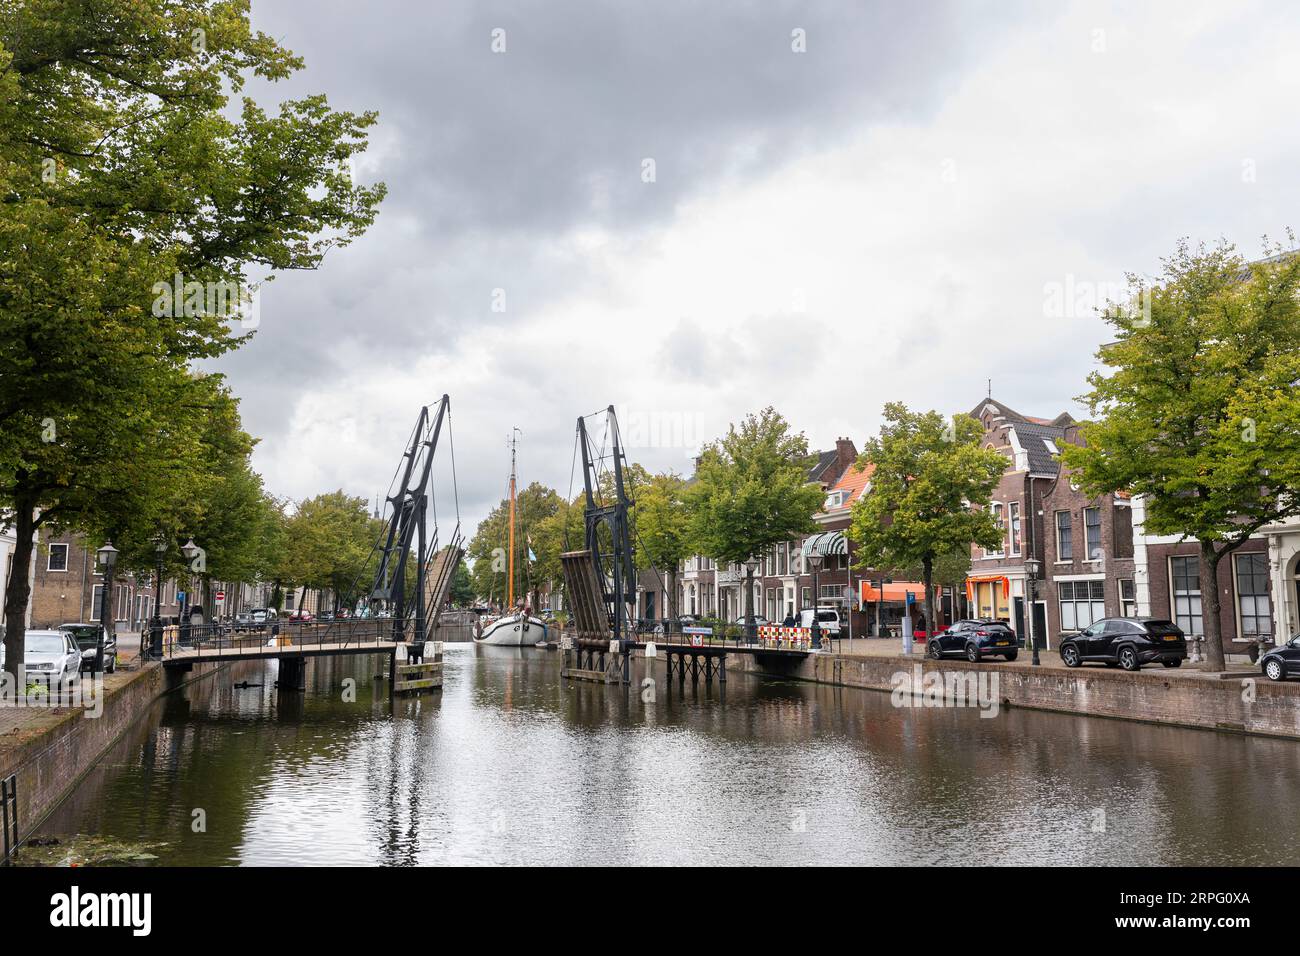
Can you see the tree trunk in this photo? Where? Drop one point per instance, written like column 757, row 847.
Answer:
column 18, row 593
column 672, row 593
column 1210, row 611
column 927, row 568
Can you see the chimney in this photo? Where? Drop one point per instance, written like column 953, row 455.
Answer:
column 846, row 452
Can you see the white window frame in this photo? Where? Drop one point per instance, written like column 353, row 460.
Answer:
column 1087, row 545
column 49, row 562
column 998, row 511
column 1015, row 526
column 1237, row 596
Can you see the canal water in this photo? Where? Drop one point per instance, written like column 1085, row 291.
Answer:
column 509, row 764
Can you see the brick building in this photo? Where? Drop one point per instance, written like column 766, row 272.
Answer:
column 1167, row 573
column 68, row 587
column 7, row 541
column 998, row 583
column 1088, row 548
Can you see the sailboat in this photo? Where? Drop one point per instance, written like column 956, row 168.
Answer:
column 515, row 629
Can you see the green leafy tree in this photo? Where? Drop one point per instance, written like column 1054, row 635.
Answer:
column 929, row 471
column 462, row 587
column 330, row 540
column 124, row 171
column 1198, row 409
column 751, row 492
column 535, row 505
column 663, row 529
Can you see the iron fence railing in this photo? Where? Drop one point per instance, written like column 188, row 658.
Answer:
column 9, row 800
column 196, row 640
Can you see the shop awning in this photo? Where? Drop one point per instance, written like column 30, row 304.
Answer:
column 895, row 591
column 827, row 542
column 1000, row 579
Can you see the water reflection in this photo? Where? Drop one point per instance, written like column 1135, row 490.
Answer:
column 511, row 765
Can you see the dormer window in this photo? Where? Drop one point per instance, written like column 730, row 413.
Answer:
column 835, row 499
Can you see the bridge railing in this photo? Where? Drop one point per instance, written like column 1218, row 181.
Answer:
column 714, row 633
column 182, row 640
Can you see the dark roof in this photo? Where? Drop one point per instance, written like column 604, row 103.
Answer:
column 1032, row 438
column 825, row 461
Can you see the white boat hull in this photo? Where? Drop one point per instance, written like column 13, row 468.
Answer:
column 515, row 630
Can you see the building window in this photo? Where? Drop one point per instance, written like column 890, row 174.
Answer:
column 1127, row 598
column 996, row 509
column 1092, row 532
column 771, row 604
column 1014, row 508
column 58, row 557
column 1186, row 578
column 1064, row 537
column 805, row 597
column 830, row 592
column 1082, row 602
column 1252, row 596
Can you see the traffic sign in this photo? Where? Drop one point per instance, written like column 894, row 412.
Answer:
column 221, row 596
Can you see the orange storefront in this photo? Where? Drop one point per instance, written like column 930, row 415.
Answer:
column 989, row 596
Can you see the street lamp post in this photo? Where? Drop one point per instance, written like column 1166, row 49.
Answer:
column 107, row 556
column 189, row 549
column 1032, row 567
column 155, row 628
column 816, row 561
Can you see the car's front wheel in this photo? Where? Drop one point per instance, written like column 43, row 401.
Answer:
column 973, row 653
column 935, row 651
column 1274, row 670
column 1013, row 655
column 1128, row 659
column 1070, row 656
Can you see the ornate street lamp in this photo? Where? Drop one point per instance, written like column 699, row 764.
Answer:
column 107, row 556
column 189, row 549
column 815, row 560
column 1032, row 567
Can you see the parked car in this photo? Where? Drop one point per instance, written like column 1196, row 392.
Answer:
column 759, row 620
column 301, row 615
column 87, row 638
column 262, row 616
column 975, row 639
column 243, row 621
column 326, row 616
column 51, row 657
column 828, row 619
column 1283, row 661
column 1126, row 642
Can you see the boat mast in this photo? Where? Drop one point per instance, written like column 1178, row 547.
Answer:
column 510, row 599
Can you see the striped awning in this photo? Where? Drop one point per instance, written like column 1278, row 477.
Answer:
column 827, row 542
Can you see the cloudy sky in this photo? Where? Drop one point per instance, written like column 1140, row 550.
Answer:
column 687, row 217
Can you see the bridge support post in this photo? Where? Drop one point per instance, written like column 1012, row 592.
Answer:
column 293, row 674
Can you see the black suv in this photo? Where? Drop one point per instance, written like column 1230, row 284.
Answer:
column 974, row 640
column 1126, row 642
column 1283, row 661
column 87, row 638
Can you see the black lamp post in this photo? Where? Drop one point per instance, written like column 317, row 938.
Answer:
column 189, row 549
column 1032, row 567
column 107, row 556
column 816, row 561
column 155, row 628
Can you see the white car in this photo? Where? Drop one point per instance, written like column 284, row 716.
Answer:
column 828, row 619
column 51, row 657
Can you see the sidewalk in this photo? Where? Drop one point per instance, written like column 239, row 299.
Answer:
column 893, row 647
